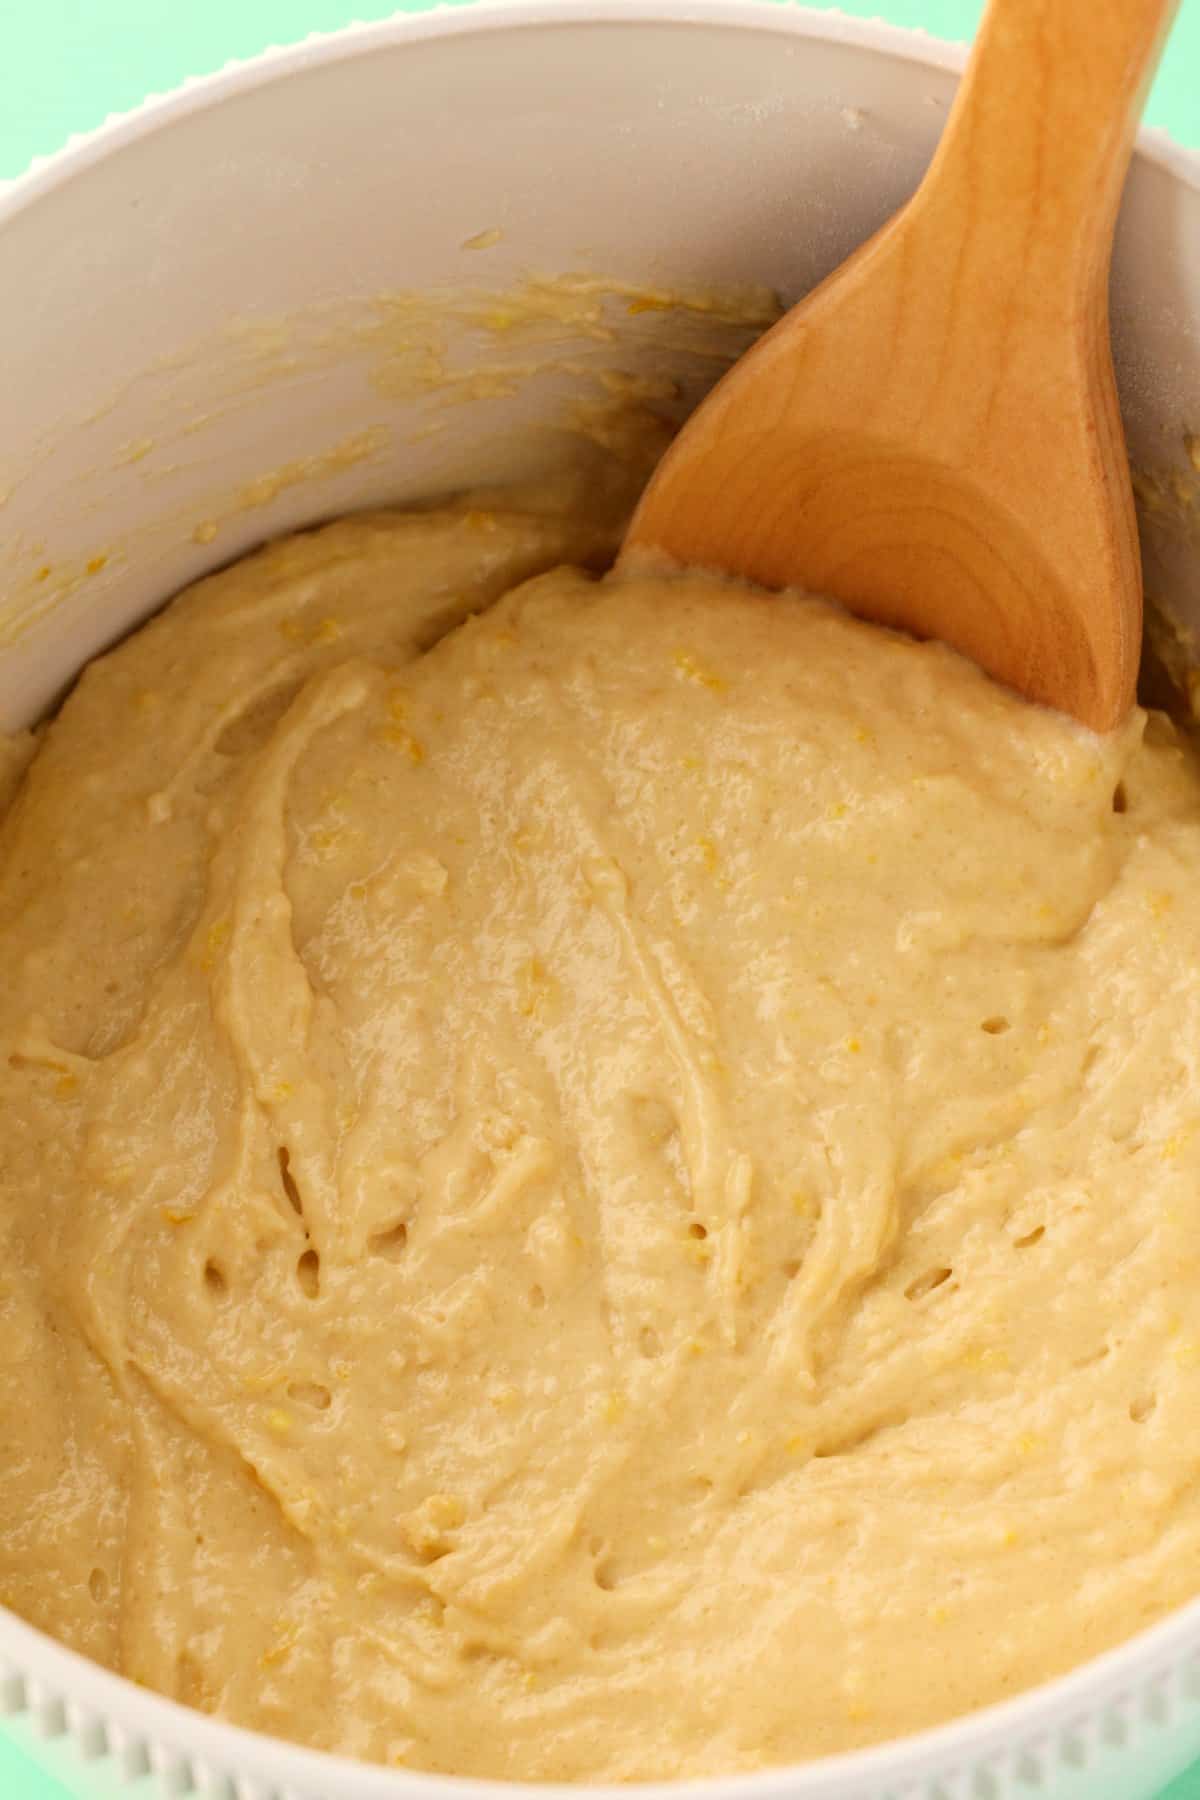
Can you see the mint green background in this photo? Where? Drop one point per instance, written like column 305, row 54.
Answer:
column 66, row 64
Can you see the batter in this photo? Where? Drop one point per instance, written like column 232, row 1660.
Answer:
column 607, row 1189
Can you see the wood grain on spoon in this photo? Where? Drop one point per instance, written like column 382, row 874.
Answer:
column 932, row 437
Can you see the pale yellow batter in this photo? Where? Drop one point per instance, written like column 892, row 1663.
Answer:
column 608, row 1191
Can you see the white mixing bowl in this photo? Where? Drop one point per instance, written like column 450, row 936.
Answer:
column 195, row 335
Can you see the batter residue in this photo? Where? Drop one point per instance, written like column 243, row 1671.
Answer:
column 607, row 1189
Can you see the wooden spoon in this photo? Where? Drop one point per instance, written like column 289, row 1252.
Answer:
column 932, row 437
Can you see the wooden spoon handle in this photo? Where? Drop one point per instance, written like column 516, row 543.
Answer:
column 1039, row 139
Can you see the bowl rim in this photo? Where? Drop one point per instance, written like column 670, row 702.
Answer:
column 39, row 1672
column 451, row 18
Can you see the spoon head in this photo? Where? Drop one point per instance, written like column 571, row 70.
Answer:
column 908, row 542
column 954, row 471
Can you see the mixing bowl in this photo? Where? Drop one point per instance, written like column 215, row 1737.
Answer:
column 312, row 283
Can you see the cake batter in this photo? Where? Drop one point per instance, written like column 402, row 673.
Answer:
column 599, row 1178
